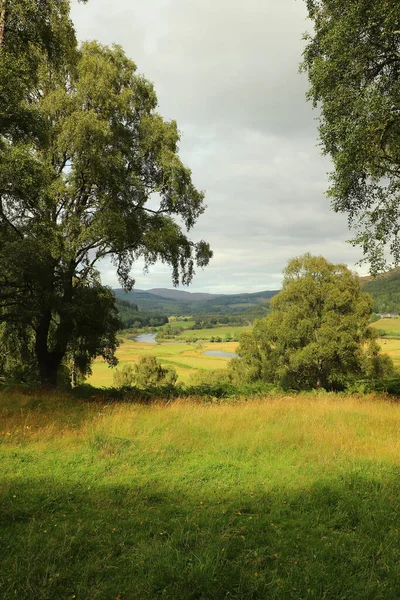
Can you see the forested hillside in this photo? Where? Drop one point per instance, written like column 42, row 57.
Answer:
column 130, row 316
column 176, row 302
column 385, row 291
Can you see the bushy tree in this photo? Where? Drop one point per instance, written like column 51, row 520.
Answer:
column 123, row 376
column 317, row 334
column 353, row 64
column 88, row 169
column 149, row 372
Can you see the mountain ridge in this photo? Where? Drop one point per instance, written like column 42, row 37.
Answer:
column 182, row 302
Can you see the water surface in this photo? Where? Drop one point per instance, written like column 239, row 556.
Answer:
column 221, row 354
column 148, row 338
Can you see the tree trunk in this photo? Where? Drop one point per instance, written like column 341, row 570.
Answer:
column 48, row 370
column 48, row 362
column 73, row 374
column 2, row 21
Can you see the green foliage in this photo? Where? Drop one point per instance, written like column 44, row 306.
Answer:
column 236, row 309
column 317, row 334
column 374, row 318
column 385, row 292
column 130, row 316
column 123, row 376
column 212, row 377
column 149, row 372
column 82, row 150
column 353, row 64
column 377, row 366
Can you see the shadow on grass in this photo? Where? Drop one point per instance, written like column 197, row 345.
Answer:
column 337, row 540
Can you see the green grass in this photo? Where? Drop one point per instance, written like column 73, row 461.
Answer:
column 184, row 358
column 284, row 499
column 392, row 348
column 390, row 326
column 177, row 324
column 207, row 334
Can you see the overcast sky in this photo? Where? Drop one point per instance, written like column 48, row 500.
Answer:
column 227, row 71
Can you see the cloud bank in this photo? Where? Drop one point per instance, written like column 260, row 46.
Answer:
column 227, row 71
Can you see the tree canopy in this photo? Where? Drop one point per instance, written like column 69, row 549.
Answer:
column 317, row 334
column 353, row 64
column 147, row 372
column 88, row 169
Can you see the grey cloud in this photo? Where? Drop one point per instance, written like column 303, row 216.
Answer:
column 227, row 71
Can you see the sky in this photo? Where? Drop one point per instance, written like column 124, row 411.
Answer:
column 227, row 72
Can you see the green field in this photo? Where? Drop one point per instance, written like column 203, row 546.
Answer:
column 183, row 357
column 390, row 346
column 290, row 498
column 390, row 326
column 206, row 334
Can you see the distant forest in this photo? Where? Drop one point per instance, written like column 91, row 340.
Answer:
column 141, row 308
column 131, row 316
column 147, row 301
column 385, row 291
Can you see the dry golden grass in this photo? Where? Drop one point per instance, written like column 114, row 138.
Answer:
column 326, row 425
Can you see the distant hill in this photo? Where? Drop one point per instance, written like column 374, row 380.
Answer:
column 385, row 291
column 178, row 302
column 181, row 295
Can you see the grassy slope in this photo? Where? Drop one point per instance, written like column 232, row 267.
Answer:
column 285, row 499
column 184, row 358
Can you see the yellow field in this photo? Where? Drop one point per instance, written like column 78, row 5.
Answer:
column 391, row 347
column 184, row 358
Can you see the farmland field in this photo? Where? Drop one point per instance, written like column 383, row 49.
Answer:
column 183, row 357
column 207, row 334
column 288, row 498
column 390, row 326
column 392, row 348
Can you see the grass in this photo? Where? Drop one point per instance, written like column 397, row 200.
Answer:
column 392, row 348
column 390, row 326
column 283, row 499
column 184, row 358
column 207, row 334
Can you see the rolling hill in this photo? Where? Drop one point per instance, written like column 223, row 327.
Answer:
column 385, row 291
column 178, row 302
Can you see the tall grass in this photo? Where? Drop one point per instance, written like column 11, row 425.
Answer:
column 281, row 498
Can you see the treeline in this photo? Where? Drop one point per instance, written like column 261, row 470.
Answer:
column 130, row 316
column 246, row 317
column 385, row 292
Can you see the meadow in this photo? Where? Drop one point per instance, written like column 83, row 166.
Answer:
column 221, row 332
column 389, row 326
column 185, row 358
column 390, row 344
column 288, row 498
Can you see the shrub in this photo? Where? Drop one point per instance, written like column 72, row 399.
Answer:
column 123, row 377
column 149, row 372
